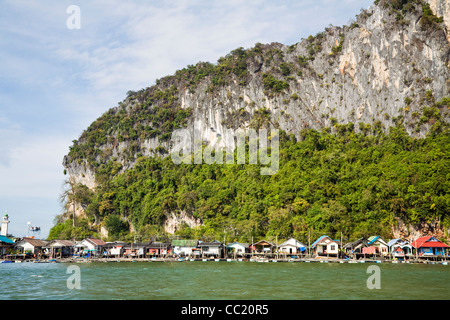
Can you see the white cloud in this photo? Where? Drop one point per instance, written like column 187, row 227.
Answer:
column 34, row 166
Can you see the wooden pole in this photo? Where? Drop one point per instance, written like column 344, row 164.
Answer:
column 309, row 243
column 253, row 247
column 276, row 245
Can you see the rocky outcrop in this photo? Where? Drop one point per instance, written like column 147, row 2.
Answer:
column 441, row 8
column 174, row 221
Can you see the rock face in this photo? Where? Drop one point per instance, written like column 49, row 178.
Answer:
column 377, row 71
column 441, row 8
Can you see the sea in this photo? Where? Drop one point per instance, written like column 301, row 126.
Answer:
column 223, row 280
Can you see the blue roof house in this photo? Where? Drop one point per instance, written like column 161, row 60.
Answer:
column 5, row 245
column 325, row 246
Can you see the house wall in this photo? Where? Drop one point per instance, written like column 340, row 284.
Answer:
column 327, row 248
column 184, row 250
column 117, row 251
column 212, row 251
column 26, row 247
column 288, row 249
column 332, row 248
column 238, row 249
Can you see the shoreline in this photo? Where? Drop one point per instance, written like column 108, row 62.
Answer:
column 256, row 260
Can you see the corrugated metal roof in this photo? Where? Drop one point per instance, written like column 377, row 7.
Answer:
column 210, row 244
column 321, row 238
column 158, row 245
column 184, row 243
column 263, row 243
column 34, row 242
column 6, row 240
column 429, row 242
column 61, row 243
column 96, row 242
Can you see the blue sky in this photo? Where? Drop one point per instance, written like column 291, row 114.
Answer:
column 55, row 81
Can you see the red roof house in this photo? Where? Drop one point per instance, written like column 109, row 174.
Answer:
column 430, row 246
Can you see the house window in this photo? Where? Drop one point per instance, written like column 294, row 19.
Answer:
column 332, row 247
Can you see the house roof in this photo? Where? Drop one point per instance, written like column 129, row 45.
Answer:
column 33, row 242
column 398, row 243
column 263, row 243
column 115, row 244
column 374, row 239
column 320, row 240
column 394, row 241
column 210, row 244
column 360, row 242
column 428, row 242
column 61, row 243
column 136, row 245
column 6, row 240
column 292, row 242
column 158, row 245
column 184, row 243
column 245, row 245
column 96, row 242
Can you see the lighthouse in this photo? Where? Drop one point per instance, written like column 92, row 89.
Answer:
column 5, row 222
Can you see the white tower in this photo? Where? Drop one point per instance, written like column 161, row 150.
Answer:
column 5, row 223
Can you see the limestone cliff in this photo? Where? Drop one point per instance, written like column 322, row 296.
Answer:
column 378, row 71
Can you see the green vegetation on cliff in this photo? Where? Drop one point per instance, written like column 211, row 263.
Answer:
column 329, row 182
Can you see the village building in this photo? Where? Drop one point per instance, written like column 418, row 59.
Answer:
column 6, row 244
column 355, row 248
column 135, row 250
column 238, row 249
column 211, row 249
column 292, row 246
column 31, row 246
column 430, row 246
column 60, row 248
column 262, row 247
column 185, row 247
column 376, row 246
column 91, row 246
column 159, row 249
column 325, row 246
column 400, row 249
column 114, row 249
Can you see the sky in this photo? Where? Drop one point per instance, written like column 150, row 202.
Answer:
column 61, row 69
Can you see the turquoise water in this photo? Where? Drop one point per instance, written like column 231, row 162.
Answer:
column 223, row 281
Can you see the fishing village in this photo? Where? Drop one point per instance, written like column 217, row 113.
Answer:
column 427, row 249
column 374, row 249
